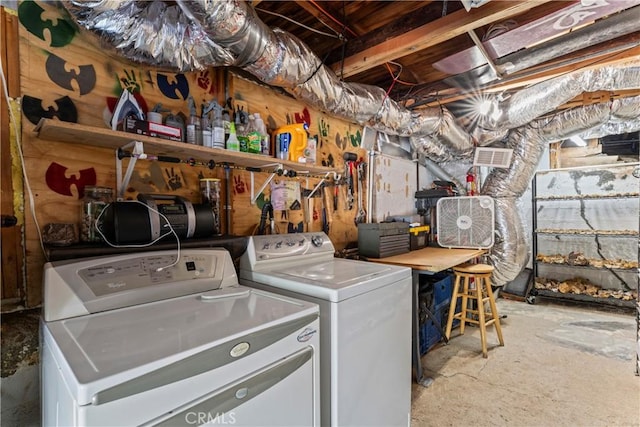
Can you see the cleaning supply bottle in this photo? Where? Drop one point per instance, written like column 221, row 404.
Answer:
column 254, row 136
column 205, row 126
column 265, row 142
column 241, row 132
column 233, row 143
column 291, row 141
column 226, row 121
column 194, row 129
column 217, row 128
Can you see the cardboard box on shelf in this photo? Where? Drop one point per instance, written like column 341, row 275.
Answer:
column 142, row 127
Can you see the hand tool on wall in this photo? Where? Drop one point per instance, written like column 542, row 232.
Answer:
column 361, row 214
column 349, row 159
column 227, row 196
column 266, row 213
column 326, row 215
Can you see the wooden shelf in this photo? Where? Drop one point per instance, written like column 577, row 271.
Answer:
column 612, row 302
column 589, row 267
column 56, row 130
column 589, row 233
column 589, row 197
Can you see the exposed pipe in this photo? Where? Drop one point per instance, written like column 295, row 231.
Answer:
column 342, row 25
column 443, row 175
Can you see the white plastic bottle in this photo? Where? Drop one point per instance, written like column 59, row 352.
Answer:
column 217, row 130
column 265, row 143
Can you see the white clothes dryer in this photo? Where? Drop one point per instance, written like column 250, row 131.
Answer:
column 145, row 339
column 365, row 323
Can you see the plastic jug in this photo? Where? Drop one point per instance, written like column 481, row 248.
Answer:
column 290, row 142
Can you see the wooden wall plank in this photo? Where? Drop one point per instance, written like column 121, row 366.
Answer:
column 12, row 277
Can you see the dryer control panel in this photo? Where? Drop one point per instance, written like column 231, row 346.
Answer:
column 262, row 251
column 286, row 245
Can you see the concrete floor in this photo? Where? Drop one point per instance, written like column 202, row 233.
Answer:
column 560, row 366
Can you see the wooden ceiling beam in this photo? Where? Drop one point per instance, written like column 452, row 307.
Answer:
column 453, row 94
column 431, row 34
column 326, row 18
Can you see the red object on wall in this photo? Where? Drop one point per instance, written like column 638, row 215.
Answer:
column 58, row 181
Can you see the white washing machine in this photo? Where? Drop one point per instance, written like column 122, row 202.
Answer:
column 365, row 324
column 141, row 339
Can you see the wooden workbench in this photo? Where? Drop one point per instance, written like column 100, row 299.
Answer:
column 429, row 260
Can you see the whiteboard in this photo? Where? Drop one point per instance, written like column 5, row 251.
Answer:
column 395, row 183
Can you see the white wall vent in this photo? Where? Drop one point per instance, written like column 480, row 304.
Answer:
column 493, row 157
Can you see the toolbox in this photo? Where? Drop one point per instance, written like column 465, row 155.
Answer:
column 379, row 240
column 418, row 237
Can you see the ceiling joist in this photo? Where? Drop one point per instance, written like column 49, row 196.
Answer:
column 432, row 34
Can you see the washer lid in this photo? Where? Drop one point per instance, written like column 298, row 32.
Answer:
column 100, row 353
column 334, row 280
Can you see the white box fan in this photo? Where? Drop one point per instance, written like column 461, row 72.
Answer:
column 465, row 222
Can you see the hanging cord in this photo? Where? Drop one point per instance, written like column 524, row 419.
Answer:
column 396, row 78
column 336, row 35
column 21, row 155
column 267, row 211
column 145, row 245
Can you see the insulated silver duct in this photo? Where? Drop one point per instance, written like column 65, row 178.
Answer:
column 443, row 175
column 530, row 103
column 148, row 33
column 616, row 116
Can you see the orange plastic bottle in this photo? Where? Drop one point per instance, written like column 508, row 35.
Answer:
column 291, row 141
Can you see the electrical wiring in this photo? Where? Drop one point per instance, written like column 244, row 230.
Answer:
column 17, row 134
column 330, row 16
column 397, row 77
column 336, row 34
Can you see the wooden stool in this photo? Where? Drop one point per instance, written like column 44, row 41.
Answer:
column 481, row 293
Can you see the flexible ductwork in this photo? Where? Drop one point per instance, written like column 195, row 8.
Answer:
column 443, row 175
column 199, row 34
column 148, row 33
column 533, row 102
